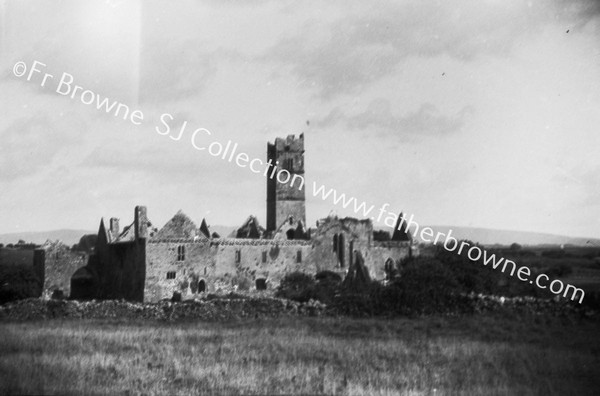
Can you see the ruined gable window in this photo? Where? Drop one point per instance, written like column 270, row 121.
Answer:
column 335, row 241
column 171, row 275
column 180, row 253
column 264, row 257
column 291, row 234
column 299, row 256
column 238, row 256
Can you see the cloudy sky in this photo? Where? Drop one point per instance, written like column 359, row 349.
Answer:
column 469, row 113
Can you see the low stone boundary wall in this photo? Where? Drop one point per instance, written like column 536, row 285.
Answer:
column 209, row 310
column 479, row 303
column 240, row 307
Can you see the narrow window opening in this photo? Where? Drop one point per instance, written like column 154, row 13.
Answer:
column 340, row 250
column 288, row 164
column 180, row 253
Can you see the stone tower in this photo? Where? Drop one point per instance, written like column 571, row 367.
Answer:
column 285, row 184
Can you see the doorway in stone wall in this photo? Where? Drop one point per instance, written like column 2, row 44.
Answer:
column 201, row 286
column 261, row 284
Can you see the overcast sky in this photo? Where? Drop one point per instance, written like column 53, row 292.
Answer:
column 466, row 113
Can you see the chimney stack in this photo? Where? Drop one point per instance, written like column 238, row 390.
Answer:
column 141, row 222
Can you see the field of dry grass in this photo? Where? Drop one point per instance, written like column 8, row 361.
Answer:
column 483, row 355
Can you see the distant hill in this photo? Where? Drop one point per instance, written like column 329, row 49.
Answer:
column 486, row 236
column 69, row 237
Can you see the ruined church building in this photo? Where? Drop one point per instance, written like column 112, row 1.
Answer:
column 141, row 263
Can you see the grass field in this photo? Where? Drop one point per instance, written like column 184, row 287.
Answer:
column 483, row 355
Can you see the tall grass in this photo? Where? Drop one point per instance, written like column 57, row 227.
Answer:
column 486, row 355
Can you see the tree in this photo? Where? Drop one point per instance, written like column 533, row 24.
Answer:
column 515, row 247
column 86, row 243
column 296, row 286
column 471, row 276
column 17, row 283
column 427, row 285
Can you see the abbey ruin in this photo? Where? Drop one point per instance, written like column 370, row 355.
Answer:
column 142, row 263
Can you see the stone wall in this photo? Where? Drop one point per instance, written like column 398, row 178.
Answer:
column 336, row 240
column 56, row 263
column 216, row 309
column 155, row 270
column 221, row 265
column 121, row 270
column 376, row 257
column 163, row 257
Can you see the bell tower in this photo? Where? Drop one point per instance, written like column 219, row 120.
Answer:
column 285, row 181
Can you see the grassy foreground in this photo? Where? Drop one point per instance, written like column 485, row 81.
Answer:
column 479, row 355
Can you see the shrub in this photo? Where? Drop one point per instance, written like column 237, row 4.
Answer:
column 387, row 299
column 17, row 283
column 592, row 301
column 426, row 286
column 242, row 282
column 328, row 276
column 296, row 286
column 554, row 254
column 470, row 276
column 176, row 297
column 559, row 271
column 86, row 243
column 327, row 286
column 353, row 304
